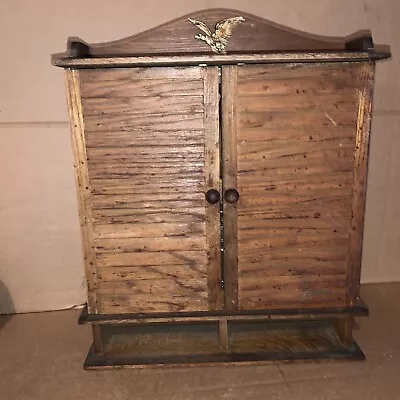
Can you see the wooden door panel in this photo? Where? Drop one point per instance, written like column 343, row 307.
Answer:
column 150, row 137
column 295, row 129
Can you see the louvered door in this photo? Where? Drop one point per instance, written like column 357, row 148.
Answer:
column 292, row 134
column 151, row 139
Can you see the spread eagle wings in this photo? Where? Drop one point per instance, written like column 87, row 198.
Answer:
column 219, row 39
column 201, row 25
column 224, row 28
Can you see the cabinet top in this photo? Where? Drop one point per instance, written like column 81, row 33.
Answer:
column 219, row 36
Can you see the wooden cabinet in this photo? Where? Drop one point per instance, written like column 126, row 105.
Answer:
column 221, row 180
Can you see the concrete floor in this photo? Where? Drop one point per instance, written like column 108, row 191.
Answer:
column 41, row 357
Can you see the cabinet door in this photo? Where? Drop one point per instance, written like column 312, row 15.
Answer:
column 295, row 141
column 147, row 151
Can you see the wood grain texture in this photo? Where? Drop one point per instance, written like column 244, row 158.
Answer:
column 223, row 334
column 295, row 159
column 212, row 177
column 290, row 80
column 198, row 344
column 150, row 163
column 327, row 313
column 253, row 35
column 192, row 60
column 177, row 36
column 83, row 188
column 360, row 183
column 132, row 273
column 229, row 150
column 158, row 120
column 161, row 340
column 144, row 216
column 127, row 75
column 344, row 329
column 97, row 339
column 152, row 295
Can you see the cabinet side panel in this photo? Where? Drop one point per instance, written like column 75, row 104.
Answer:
column 82, row 184
column 360, row 182
column 145, row 136
column 296, row 140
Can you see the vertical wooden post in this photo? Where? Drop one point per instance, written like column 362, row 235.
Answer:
column 212, row 181
column 82, row 185
column 344, row 329
column 97, row 340
column 229, row 150
column 223, row 334
column 359, row 184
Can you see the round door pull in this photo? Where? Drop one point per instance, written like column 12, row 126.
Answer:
column 213, row 196
column 231, row 196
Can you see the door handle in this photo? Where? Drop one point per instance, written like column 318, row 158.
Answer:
column 213, row 196
column 231, row 196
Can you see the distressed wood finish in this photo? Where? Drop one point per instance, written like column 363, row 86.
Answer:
column 152, row 227
column 83, row 187
column 360, row 309
column 212, row 177
column 198, row 344
column 221, row 196
column 295, row 162
column 270, row 58
column 254, row 34
column 223, row 334
column 229, row 149
column 360, row 183
column 98, row 343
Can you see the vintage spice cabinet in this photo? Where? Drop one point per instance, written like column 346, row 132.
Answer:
column 221, row 165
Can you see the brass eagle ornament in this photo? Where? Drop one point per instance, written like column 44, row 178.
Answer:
column 219, row 39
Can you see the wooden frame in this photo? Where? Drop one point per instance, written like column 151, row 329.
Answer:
column 220, row 344
column 360, row 183
column 211, row 126
column 360, row 309
column 229, row 76
column 140, row 61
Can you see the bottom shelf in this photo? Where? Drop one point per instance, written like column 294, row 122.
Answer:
column 193, row 344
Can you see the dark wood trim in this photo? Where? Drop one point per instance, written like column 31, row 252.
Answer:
column 359, row 309
column 344, row 329
column 77, row 48
column 363, row 43
column 95, row 361
column 97, row 339
column 223, row 334
column 161, row 61
column 253, row 35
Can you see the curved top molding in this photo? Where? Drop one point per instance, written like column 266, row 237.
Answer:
column 249, row 35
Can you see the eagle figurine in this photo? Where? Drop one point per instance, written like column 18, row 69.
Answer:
column 219, row 39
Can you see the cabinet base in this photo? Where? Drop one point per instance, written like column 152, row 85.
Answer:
column 199, row 344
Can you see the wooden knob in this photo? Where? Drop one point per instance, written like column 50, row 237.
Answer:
column 212, row 196
column 231, row 196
